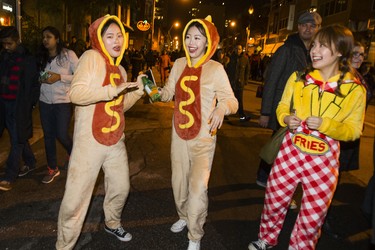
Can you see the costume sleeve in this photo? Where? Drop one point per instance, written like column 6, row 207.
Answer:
column 350, row 128
column 225, row 97
column 169, row 88
column 72, row 61
column 274, row 73
column 283, row 109
column 86, row 87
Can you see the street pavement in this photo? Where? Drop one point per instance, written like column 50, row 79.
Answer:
column 28, row 212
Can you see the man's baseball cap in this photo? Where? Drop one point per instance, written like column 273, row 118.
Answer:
column 310, row 17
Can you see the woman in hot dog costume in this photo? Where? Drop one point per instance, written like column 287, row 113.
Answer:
column 203, row 96
column 101, row 94
column 328, row 105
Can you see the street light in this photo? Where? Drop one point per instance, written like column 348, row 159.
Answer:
column 175, row 24
column 251, row 11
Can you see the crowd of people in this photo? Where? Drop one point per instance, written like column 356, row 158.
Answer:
column 317, row 85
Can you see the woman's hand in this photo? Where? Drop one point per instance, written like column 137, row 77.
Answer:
column 292, row 121
column 124, row 87
column 216, row 120
column 263, row 121
column 314, row 122
column 52, row 78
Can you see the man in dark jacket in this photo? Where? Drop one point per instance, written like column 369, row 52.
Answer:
column 19, row 92
column 238, row 70
column 290, row 57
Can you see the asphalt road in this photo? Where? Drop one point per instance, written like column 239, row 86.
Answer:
column 28, row 212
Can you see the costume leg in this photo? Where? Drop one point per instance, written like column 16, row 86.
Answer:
column 281, row 185
column 116, row 181
column 318, row 183
column 85, row 163
column 180, row 174
column 201, row 162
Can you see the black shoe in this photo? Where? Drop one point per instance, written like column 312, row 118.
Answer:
column 25, row 170
column 120, row 233
column 245, row 118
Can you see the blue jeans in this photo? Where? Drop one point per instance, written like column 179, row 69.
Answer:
column 55, row 119
column 18, row 151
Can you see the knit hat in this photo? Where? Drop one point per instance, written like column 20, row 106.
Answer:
column 310, row 17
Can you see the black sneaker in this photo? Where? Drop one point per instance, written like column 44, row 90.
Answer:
column 120, row 233
column 25, row 170
column 259, row 245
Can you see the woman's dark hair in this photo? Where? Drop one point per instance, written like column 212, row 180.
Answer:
column 340, row 38
column 11, row 32
column 43, row 53
column 106, row 25
column 199, row 27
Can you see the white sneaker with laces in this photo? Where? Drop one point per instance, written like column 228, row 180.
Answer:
column 178, row 226
column 194, row 245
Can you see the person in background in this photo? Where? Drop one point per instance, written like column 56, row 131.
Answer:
column 203, row 96
column 238, row 70
column 329, row 105
column 222, row 58
column 349, row 151
column 78, row 46
column 136, row 61
column 58, row 65
column 102, row 95
column 290, row 57
column 19, row 91
column 165, row 64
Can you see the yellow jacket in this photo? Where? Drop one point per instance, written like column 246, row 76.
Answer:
column 342, row 116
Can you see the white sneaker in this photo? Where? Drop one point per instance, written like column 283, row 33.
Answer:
column 178, row 226
column 194, row 245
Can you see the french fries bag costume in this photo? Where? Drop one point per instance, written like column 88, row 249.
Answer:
column 98, row 140
column 310, row 157
column 198, row 89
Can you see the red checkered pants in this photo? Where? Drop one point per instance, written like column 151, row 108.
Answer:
column 318, row 175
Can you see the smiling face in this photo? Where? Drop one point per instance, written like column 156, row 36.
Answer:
column 196, row 44
column 324, row 57
column 113, row 40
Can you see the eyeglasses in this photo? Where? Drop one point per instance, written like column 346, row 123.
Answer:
column 357, row 54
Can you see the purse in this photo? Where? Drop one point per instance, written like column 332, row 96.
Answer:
column 259, row 92
column 269, row 151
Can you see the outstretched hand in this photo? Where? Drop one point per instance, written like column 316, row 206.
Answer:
column 125, row 87
column 216, row 120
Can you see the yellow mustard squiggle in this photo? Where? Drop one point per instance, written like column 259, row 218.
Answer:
column 111, row 104
column 188, row 102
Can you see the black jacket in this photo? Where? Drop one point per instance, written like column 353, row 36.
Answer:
column 290, row 57
column 238, row 71
column 28, row 92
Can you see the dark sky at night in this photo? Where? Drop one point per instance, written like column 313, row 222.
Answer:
column 179, row 9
